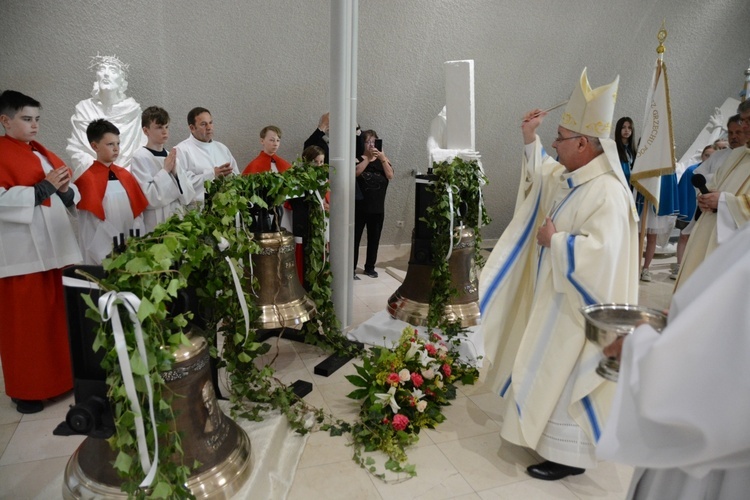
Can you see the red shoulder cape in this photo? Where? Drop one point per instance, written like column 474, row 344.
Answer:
column 93, row 185
column 19, row 166
column 262, row 163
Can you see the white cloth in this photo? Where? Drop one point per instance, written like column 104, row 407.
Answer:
column 35, row 238
column 530, row 298
column 166, row 193
column 681, row 406
column 125, row 115
column 383, row 330
column 199, row 159
column 95, row 236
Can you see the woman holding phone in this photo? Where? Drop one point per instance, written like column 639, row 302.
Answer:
column 373, row 172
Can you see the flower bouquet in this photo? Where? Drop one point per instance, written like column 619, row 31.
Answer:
column 403, row 390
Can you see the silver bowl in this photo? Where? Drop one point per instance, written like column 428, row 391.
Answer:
column 606, row 322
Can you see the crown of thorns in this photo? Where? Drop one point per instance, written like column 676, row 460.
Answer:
column 99, row 60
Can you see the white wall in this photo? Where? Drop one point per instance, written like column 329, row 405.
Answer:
column 257, row 63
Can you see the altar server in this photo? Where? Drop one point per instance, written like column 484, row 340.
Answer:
column 36, row 241
column 111, row 199
column 167, row 186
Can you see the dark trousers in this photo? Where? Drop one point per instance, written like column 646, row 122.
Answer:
column 374, row 223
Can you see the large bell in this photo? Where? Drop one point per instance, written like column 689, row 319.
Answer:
column 281, row 298
column 208, row 436
column 411, row 302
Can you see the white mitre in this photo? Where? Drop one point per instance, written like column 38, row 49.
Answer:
column 589, row 112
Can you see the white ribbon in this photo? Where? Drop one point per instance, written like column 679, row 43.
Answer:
column 109, row 311
column 79, row 283
column 240, row 297
column 322, row 207
column 450, row 207
column 481, row 178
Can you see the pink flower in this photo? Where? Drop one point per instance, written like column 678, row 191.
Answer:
column 430, row 349
column 393, row 378
column 435, row 336
column 403, row 375
column 385, row 420
column 446, row 369
column 400, row 422
column 416, row 379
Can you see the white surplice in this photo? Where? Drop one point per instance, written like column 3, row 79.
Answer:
column 166, row 193
column 682, row 405
column 530, row 298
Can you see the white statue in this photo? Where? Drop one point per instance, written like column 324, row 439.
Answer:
column 452, row 131
column 108, row 101
column 437, row 142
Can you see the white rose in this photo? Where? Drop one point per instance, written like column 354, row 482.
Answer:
column 429, row 374
column 421, row 406
column 404, row 375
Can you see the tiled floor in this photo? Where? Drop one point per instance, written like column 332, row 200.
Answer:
column 463, row 458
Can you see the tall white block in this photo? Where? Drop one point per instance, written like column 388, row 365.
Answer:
column 459, row 101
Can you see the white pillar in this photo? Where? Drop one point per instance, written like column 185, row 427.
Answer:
column 343, row 111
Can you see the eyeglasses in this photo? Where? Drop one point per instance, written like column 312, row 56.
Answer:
column 560, row 139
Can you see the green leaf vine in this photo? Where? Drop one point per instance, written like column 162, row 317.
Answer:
column 465, row 180
column 190, row 251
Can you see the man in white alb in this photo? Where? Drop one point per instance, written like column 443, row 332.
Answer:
column 202, row 156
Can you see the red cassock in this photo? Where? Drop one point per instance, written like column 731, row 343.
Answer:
column 33, row 327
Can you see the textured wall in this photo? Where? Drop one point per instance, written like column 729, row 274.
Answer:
column 255, row 63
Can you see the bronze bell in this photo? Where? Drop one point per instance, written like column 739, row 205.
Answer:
column 411, row 302
column 281, row 298
column 208, row 436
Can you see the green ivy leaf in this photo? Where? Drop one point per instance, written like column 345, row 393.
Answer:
column 146, row 309
column 123, row 462
column 162, row 490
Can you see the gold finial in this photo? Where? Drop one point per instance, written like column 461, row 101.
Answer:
column 661, row 36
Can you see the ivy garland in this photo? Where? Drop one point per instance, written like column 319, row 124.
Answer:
column 465, row 180
column 185, row 252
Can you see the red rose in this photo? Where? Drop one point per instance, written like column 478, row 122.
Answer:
column 400, row 422
column 435, row 336
column 393, row 378
column 430, row 349
column 416, row 379
column 446, row 370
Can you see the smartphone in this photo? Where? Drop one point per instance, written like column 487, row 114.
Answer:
column 379, row 144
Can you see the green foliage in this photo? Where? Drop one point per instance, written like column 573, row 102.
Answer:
column 464, row 180
column 191, row 251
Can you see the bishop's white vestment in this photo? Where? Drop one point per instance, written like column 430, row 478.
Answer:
column 531, row 296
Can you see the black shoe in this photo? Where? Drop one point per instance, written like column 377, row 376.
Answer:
column 356, row 277
column 552, row 471
column 28, row 405
column 372, row 274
